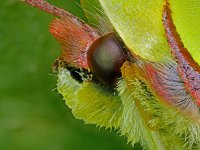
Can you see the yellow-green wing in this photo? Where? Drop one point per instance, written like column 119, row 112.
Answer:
column 139, row 24
column 186, row 17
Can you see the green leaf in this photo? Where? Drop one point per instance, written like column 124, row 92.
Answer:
column 139, row 24
column 186, row 17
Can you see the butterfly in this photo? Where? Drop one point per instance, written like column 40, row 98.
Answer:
column 134, row 67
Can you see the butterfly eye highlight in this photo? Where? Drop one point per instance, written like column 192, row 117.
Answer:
column 105, row 57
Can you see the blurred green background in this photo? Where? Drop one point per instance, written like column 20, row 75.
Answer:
column 32, row 115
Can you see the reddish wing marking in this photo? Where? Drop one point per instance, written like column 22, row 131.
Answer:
column 169, row 87
column 187, row 68
column 175, row 40
column 164, row 82
column 73, row 34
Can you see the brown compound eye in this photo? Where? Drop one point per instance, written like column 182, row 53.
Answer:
column 105, row 57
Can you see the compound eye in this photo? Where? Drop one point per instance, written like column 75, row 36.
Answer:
column 105, row 57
